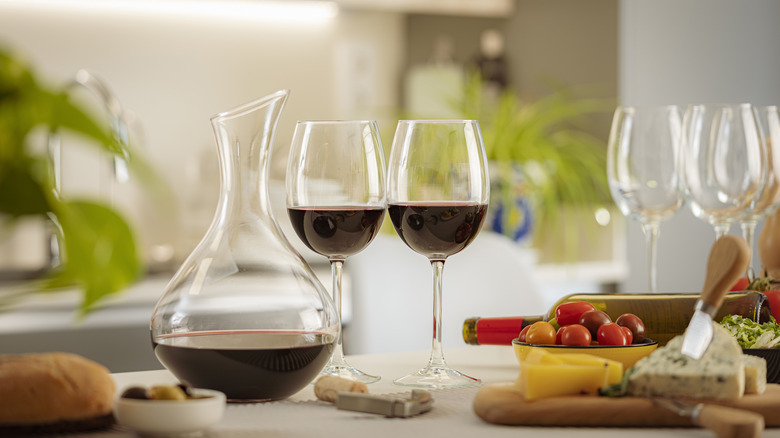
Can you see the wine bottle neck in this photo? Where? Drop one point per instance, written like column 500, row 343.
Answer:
column 495, row 331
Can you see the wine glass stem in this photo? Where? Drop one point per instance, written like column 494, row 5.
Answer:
column 437, row 354
column 652, row 230
column 720, row 230
column 748, row 232
column 335, row 269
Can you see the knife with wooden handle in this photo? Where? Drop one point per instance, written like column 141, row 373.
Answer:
column 726, row 422
column 729, row 257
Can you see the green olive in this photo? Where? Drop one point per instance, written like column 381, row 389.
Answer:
column 165, row 392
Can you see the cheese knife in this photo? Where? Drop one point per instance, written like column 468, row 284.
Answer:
column 728, row 260
column 726, row 422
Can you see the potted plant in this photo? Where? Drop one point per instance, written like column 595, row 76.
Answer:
column 98, row 247
column 543, row 165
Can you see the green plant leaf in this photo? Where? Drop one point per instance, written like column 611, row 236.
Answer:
column 64, row 114
column 21, row 193
column 99, row 252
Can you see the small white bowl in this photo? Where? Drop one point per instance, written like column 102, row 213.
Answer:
column 171, row 417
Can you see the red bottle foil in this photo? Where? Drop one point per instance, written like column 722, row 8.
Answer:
column 500, row 331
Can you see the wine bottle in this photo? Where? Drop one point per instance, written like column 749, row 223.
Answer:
column 664, row 315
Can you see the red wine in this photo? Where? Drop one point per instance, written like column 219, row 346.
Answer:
column 336, row 232
column 437, row 230
column 247, row 365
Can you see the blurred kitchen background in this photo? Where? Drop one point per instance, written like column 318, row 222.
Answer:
column 174, row 64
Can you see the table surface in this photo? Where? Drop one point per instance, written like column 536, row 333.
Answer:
column 303, row 416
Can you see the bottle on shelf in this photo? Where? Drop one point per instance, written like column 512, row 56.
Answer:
column 664, row 315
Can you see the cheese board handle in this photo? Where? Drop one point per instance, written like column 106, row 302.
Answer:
column 730, row 422
column 728, row 260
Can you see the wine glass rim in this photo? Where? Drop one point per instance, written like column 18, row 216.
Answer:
column 649, row 106
column 721, row 104
column 442, row 121
column 334, row 122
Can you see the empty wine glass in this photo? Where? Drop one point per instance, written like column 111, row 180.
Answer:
column 642, row 170
column 336, row 201
column 438, row 191
column 723, row 162
column 769, row 121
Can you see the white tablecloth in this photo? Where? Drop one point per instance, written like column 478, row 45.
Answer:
column 452, row 416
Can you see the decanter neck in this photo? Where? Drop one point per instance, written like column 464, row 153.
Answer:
column 244, row 136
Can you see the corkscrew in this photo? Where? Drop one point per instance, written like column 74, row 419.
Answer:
column 419, row 402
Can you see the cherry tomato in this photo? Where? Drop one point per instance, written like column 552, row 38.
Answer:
column 523, row 332
column 611, row 334
column 575, row 334
column 633, row 323
column 570, row 312
column 541, row 332
column 740, row 285
column 629, row 334
column 593, row 319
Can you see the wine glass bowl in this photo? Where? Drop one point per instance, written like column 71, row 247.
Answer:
column 723, row 162
column 642, row 170
column 438, row 192
column 769, row 122
column 336, row 201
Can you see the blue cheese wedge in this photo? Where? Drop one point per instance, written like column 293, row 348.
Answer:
column 755, row 374
column 719, row 374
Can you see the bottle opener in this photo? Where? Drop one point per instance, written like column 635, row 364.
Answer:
column 419, row 402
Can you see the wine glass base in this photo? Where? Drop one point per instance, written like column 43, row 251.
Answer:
column 349, row 372
column 437, row 377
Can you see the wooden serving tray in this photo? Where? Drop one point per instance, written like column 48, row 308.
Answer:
column 502, row 404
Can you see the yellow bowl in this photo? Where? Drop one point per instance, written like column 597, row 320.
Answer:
column 626, row 354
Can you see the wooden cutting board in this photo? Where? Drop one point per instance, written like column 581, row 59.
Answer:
column 501, row 404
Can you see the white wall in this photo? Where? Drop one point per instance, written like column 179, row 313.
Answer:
column 175, row 72
column 693, row 51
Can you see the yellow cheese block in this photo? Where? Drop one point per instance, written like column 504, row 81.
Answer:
column 545, row 380
column 537, row 355
column 547, row 375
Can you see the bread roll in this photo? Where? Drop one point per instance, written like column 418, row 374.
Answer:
column 52, row 388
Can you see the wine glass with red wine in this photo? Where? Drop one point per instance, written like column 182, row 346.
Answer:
column 437, row 196
column 336, row 201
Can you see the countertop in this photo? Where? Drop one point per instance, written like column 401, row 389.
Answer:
column 303, row 416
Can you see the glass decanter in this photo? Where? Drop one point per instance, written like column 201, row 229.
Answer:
column 245, row 314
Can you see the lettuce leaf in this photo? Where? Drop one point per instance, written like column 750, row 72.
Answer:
column 751, row 334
